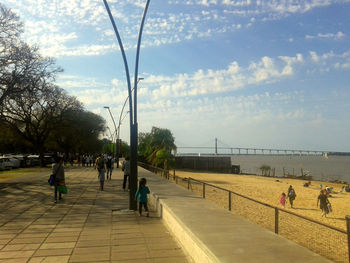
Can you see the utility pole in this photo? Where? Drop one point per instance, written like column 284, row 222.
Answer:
column 216, row 146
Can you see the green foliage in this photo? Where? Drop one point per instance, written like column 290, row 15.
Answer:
column 155, row 147
column 265, row 169
column 125, row 149
column 35, row 114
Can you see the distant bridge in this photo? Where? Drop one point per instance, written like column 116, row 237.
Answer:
column 239, row 150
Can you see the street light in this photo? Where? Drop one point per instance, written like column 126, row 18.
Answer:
column 133, row 112
column 120, row 120
column 115, row 127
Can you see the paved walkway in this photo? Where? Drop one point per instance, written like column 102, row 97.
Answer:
column 86, row 226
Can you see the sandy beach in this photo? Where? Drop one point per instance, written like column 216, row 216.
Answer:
column 269, row 190
column 318, row 238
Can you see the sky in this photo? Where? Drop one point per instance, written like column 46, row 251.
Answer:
column 259, row 74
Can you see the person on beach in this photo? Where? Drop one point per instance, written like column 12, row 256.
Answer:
column 291, row 195
column 324, row 203
column 126, row 169
column 58, row 171
column 141, row 196
column 101, row 168
column 283, row 200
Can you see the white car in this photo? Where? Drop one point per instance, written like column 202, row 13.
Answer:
column 5, row 163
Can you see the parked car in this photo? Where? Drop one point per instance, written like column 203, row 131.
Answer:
column 21, row 158
column 5, row 163
column 15, row 162
column 32, row 160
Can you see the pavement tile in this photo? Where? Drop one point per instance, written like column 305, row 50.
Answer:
column 89, row 257
column 7, row 236
column 57, row 245
column 125, row 248
column 21, row 247
column 140, row 260
column 93, row 243
column 161, row 253
column 127, row 235
column 165, row 245
column 180, row 259
column 67, row 229
column 129, row 241
column 54, row 259
column 142, row 254
column 61, row 239
column 92, row 250
column 15, row 260
column 32, row 235
column 53, row 252
column 65, row 234
column 4, row 241
column 16, row 254
column 27, row 240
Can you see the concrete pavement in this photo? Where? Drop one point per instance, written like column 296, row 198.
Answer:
column 86, row 226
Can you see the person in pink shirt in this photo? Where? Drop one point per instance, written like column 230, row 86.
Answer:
column 283, row 200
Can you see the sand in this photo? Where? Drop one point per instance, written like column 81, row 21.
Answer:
column 269, row 190
column 322, row 240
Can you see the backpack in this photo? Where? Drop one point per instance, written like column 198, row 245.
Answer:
column 100, row 163
column 292, row 193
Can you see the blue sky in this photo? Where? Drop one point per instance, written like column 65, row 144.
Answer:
column 268, row 74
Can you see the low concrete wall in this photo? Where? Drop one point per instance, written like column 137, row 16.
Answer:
column 220, row 164
column 211, row 234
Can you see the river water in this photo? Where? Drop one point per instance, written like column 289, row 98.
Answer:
column 329, row 168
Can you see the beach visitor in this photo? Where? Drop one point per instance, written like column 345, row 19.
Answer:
column 126, row 169
column 141, row 196
column 58, row 171
column 283, row 200
column 101, row 168
column 109, row 165
column 291, row 195
column 324, row 203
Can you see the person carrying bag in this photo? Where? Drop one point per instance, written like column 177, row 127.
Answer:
column 59, row 181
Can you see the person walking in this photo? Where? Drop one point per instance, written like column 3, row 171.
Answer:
column 283, row 200
column 141, row 196
column 58, row 171
column 101, row 168
column 291, row 195
column 126, row 169
column 324, row 203
column 109, row 165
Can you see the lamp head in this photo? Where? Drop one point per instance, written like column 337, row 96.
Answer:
column 106, row 107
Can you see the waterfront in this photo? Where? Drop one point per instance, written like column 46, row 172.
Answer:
column 320, row 168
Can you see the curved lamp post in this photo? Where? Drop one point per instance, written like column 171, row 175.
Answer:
column 120, row 120
column 115, row 127
column 133, row 112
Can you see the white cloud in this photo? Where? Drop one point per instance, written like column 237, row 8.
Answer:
column 44, row 18
column 334, row 36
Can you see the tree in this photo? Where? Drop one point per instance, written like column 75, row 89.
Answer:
column 34, row 115
column 265, row 170
column 22, row 68
column 156, row 146
column 78, row 132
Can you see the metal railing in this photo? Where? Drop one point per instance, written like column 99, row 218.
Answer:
column 326, row 240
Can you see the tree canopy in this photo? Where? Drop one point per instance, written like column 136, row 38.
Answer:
column 35, row 114
column 156, row 147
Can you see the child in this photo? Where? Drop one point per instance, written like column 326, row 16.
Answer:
column 141, row 196
column 283, row 200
